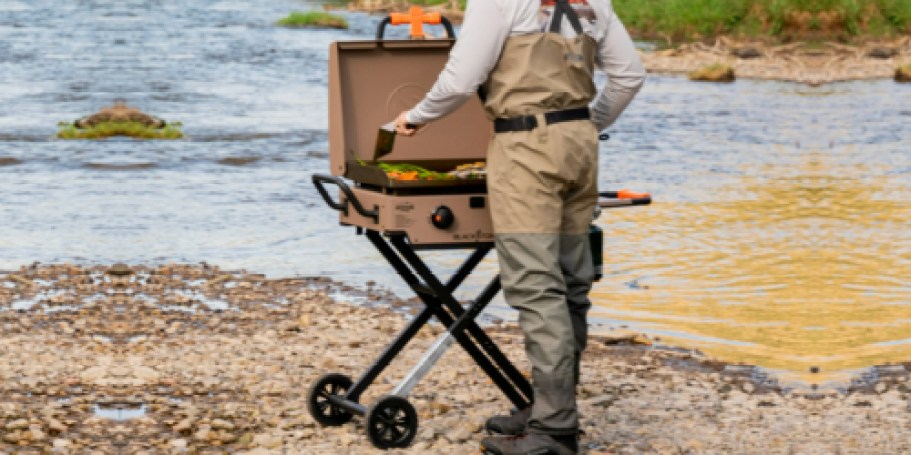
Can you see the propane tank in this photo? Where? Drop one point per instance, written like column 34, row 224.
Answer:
column 596, row 244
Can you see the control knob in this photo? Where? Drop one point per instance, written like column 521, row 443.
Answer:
column 442, row 217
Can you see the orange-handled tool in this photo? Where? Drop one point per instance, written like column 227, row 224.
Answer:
column 416, row 17
column 623, row 198
column 624, row 194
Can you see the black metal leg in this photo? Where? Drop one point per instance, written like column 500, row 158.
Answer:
column 439, row 302
column 444, row 296
column 354, row 394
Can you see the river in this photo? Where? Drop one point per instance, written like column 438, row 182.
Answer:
column 778, row 236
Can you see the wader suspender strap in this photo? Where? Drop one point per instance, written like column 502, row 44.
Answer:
column 560, row 8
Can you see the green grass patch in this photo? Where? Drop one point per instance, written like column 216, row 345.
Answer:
column 437, row 2
column 110, row 129
column 313, row 19
column 781, row 20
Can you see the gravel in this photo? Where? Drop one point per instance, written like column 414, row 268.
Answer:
column 194, row 359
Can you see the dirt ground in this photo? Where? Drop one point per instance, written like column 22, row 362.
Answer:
column 193, row 359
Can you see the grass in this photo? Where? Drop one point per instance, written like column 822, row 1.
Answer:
column 781, row 20
column 313, row 19
column 437, row 2
column 109, row 129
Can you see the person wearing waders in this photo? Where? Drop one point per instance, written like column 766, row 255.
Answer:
column 535, row 70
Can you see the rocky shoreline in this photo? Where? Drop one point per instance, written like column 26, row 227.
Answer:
column 194, row 359
column 797, row 62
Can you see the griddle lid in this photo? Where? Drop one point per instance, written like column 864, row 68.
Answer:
column 371, row 82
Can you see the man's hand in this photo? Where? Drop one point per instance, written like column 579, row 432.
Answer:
column 403, row 127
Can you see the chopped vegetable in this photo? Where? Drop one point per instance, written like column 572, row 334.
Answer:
column 412, row 172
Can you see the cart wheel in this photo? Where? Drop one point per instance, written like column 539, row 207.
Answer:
column 323, row 410
column 391, row 423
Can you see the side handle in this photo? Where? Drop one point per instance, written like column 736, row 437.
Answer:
column 623, row 198
column 320, row 181
column 416, row 18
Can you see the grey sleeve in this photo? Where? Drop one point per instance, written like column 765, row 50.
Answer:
column 484, row 32
column 618, row 58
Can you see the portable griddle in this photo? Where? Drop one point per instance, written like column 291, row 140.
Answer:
column 371, row 82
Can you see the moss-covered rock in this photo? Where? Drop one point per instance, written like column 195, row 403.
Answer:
column 716, row 72
column 903, row 73
column 108, row 129
column 119, row 120
column 313, row 19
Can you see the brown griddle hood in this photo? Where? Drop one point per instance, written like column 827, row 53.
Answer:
column 370, row 83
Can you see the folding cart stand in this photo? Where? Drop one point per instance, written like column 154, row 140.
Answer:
column 392, row 421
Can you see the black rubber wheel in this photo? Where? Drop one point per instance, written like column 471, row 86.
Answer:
column 324, row 411
column 392, row 423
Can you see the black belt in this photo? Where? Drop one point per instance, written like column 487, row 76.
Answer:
column 530, row 122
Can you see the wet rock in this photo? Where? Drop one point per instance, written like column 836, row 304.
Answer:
column 120, row 269
column 903, row 73
column 746, row 52
column 882, row 52
column 716, row 72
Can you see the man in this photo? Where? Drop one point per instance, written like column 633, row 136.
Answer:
column 542, row 180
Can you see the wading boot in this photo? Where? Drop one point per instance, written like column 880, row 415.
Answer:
column 511, row 425
column 530, row 444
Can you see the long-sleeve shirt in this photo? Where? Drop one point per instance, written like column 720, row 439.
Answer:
column 487, row 26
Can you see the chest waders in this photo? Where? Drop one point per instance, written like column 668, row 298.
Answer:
column 542, row 183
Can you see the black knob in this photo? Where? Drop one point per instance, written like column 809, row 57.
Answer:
column 442, row 217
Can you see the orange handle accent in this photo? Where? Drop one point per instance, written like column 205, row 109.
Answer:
column 627, row 194
column 417, row 18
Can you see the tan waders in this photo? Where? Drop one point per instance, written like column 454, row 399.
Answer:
column 542, row 184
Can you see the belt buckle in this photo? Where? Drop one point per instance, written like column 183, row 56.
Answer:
column 529, row 122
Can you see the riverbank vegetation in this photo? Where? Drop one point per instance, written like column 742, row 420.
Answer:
column 313, row 19
column 105, row 130
column 778, row 20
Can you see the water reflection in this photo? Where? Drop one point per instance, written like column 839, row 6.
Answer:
column 790, row 265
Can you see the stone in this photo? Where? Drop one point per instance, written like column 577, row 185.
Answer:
column 37, row 434
column 183, row 425
column 55, row 425
column 17, row 424
column 903, row 73
column 882, row 52
column 716, row 72
column 746, row 52
column 222, row 424
column 267, row 441
column 93, row 374
column 120, row 269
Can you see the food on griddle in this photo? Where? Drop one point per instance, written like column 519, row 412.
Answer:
column 470, row 171
column 405, row 172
